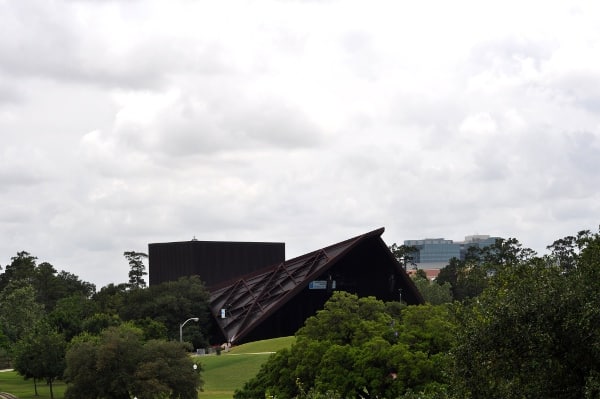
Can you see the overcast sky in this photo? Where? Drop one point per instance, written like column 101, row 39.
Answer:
column 306, row 122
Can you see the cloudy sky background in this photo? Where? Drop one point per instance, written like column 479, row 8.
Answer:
column 304, row 122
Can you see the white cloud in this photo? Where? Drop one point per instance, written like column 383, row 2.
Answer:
column 308, row 122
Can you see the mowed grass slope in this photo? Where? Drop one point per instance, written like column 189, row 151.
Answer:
column 222, row 374
column 225, row 373
column 12, row 382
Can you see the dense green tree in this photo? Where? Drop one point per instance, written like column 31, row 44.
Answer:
column 71, row 284
column 21, row 267
column 45, row 284
column 166, row 370
column 432, row 292
column 565, row 251
column 404, row 254
column 119, row 364
column 450, row 274
column 467, row 278
column 137, row 269
column 81, row 367
column 4, row 349
column 505, row 253
column 360, row 347
column 103, row 367
column 19, row 309
column 111, row 298
column 49, row 285
column 346, row 319
column 167, row 305
column 41, row 355
column 170, row 304
column 97, row 322
column 70, row 313
column 533, row 333
column 52, row 286
column 151, row 328
column 470, row 276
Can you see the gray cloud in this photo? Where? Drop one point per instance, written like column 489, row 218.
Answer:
column 125, row 123
column 190, row 125
column 53, row 42
column 8, row 94
column 510, row 54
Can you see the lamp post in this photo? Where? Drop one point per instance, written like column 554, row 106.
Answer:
column 183, row 324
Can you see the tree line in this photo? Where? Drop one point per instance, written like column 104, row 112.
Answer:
column 55, row 326
column 502, row 323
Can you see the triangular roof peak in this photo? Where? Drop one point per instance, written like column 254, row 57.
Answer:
column 249, row 300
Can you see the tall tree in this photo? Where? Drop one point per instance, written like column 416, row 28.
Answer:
column 361, row 348
column 171, row 303
column 467, row 278
column 41, row 355
column 432, row 292
column 119, row 364
column 505, row 253
column 404, row 254
column 44, row 282
column 19, row 309
column 533, row 333
column 70, row 313
column 4, row 349
column 166, row 370
column 51, row 285
column 137, row 269
column 21, row 267
column 565, row 251
column 110, row 298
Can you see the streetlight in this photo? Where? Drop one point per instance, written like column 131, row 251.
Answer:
column 183, row 324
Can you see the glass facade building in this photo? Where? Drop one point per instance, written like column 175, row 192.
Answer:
column 437, row 252
column 434, row 250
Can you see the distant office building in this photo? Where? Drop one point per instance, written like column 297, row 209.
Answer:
column 434, row 250
column 435, row 253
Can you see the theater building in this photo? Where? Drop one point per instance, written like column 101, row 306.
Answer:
column 256, row 294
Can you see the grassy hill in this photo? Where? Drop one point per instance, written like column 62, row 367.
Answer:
column 222, row 374
column 13, row 383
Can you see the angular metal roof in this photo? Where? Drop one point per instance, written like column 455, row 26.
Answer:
column 249, row 300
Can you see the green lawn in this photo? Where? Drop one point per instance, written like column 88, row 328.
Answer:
column 225, row 373
column 222, row 374
column 13, row 383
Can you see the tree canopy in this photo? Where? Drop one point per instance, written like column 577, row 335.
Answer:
column 42, row 310
column 40, row 354
column 137, row 269
column 533, row 332
column 119, row 364
column 519, row 326
column 361, row 347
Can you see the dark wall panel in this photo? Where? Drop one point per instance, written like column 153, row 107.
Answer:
column 214, row 261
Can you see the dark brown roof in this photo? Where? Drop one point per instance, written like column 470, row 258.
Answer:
column 252, row 298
